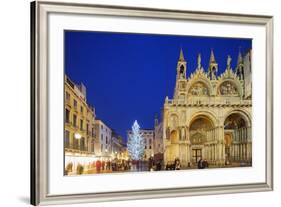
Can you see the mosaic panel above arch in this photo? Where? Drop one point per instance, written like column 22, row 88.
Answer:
column 228, row 88
column 199, row 89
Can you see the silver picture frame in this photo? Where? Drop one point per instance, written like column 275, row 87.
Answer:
column 39, row 100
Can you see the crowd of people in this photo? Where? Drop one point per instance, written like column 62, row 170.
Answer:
column 176, row 164
column 202, row 164
column 98, row 166
column 115, row 165
column 110, row 165
column 154, row 165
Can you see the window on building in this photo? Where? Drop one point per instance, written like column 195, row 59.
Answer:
column 106, row 140
column 149, row 146
column 67, row 96
column 101, row 147
column 93, row 132
column 66, row 139
column 81, row 109
column 101, row 137
column 82, row 144
column 101, row 126
column 93, row 146
column 75, row 143
column 87, row 128
column 67, row 114
column 81, row 124
column 75, row 103
column 74, row 120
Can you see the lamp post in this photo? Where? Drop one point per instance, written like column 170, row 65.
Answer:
column 77, row 162
column 77, row 135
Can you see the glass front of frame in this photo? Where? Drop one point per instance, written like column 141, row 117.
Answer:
column 146, row 102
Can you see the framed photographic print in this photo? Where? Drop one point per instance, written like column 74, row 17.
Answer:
column 135, row 103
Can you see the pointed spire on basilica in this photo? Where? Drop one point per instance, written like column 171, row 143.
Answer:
column 213, row 66
column 239, row 59
column 181, row 67
column 156, row 120
column 212, row 57
column 181, row 58
column 240, row 66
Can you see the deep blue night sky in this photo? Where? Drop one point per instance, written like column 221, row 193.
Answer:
column 129, row 75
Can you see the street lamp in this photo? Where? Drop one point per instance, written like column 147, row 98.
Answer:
column 77, row 136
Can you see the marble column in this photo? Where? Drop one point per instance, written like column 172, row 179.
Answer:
column 208, row 152
column 240, row 152
column 231, row 152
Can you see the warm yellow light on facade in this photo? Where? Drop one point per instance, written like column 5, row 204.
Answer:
column 77, row 136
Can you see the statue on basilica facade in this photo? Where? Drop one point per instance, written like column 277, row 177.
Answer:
column 168, row 133
column 183, row 133
column 228, row 62
column 199, row 61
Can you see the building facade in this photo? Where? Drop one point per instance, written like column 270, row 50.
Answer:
column 210, row 115
column 79, row 136
column 118, row 147
column 103, row 139
column 158, row 137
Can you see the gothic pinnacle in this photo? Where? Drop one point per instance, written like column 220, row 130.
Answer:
column 181, row 56
column 239, row 59
column 212, row 57
column 199, row 61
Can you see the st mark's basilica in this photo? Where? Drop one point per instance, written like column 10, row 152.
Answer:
column 210, row 115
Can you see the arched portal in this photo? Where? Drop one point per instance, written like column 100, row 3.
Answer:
column 174, row 137
column 199, row 130
column 237, row 139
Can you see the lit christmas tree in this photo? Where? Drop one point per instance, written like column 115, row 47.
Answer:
column 136, row 143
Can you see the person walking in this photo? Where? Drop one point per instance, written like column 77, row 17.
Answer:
column 200, row 164
column 158, row 166
column 108, row 165
column 98, row 166
column 205, row 164
column 102, row 165
column 177, row 164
